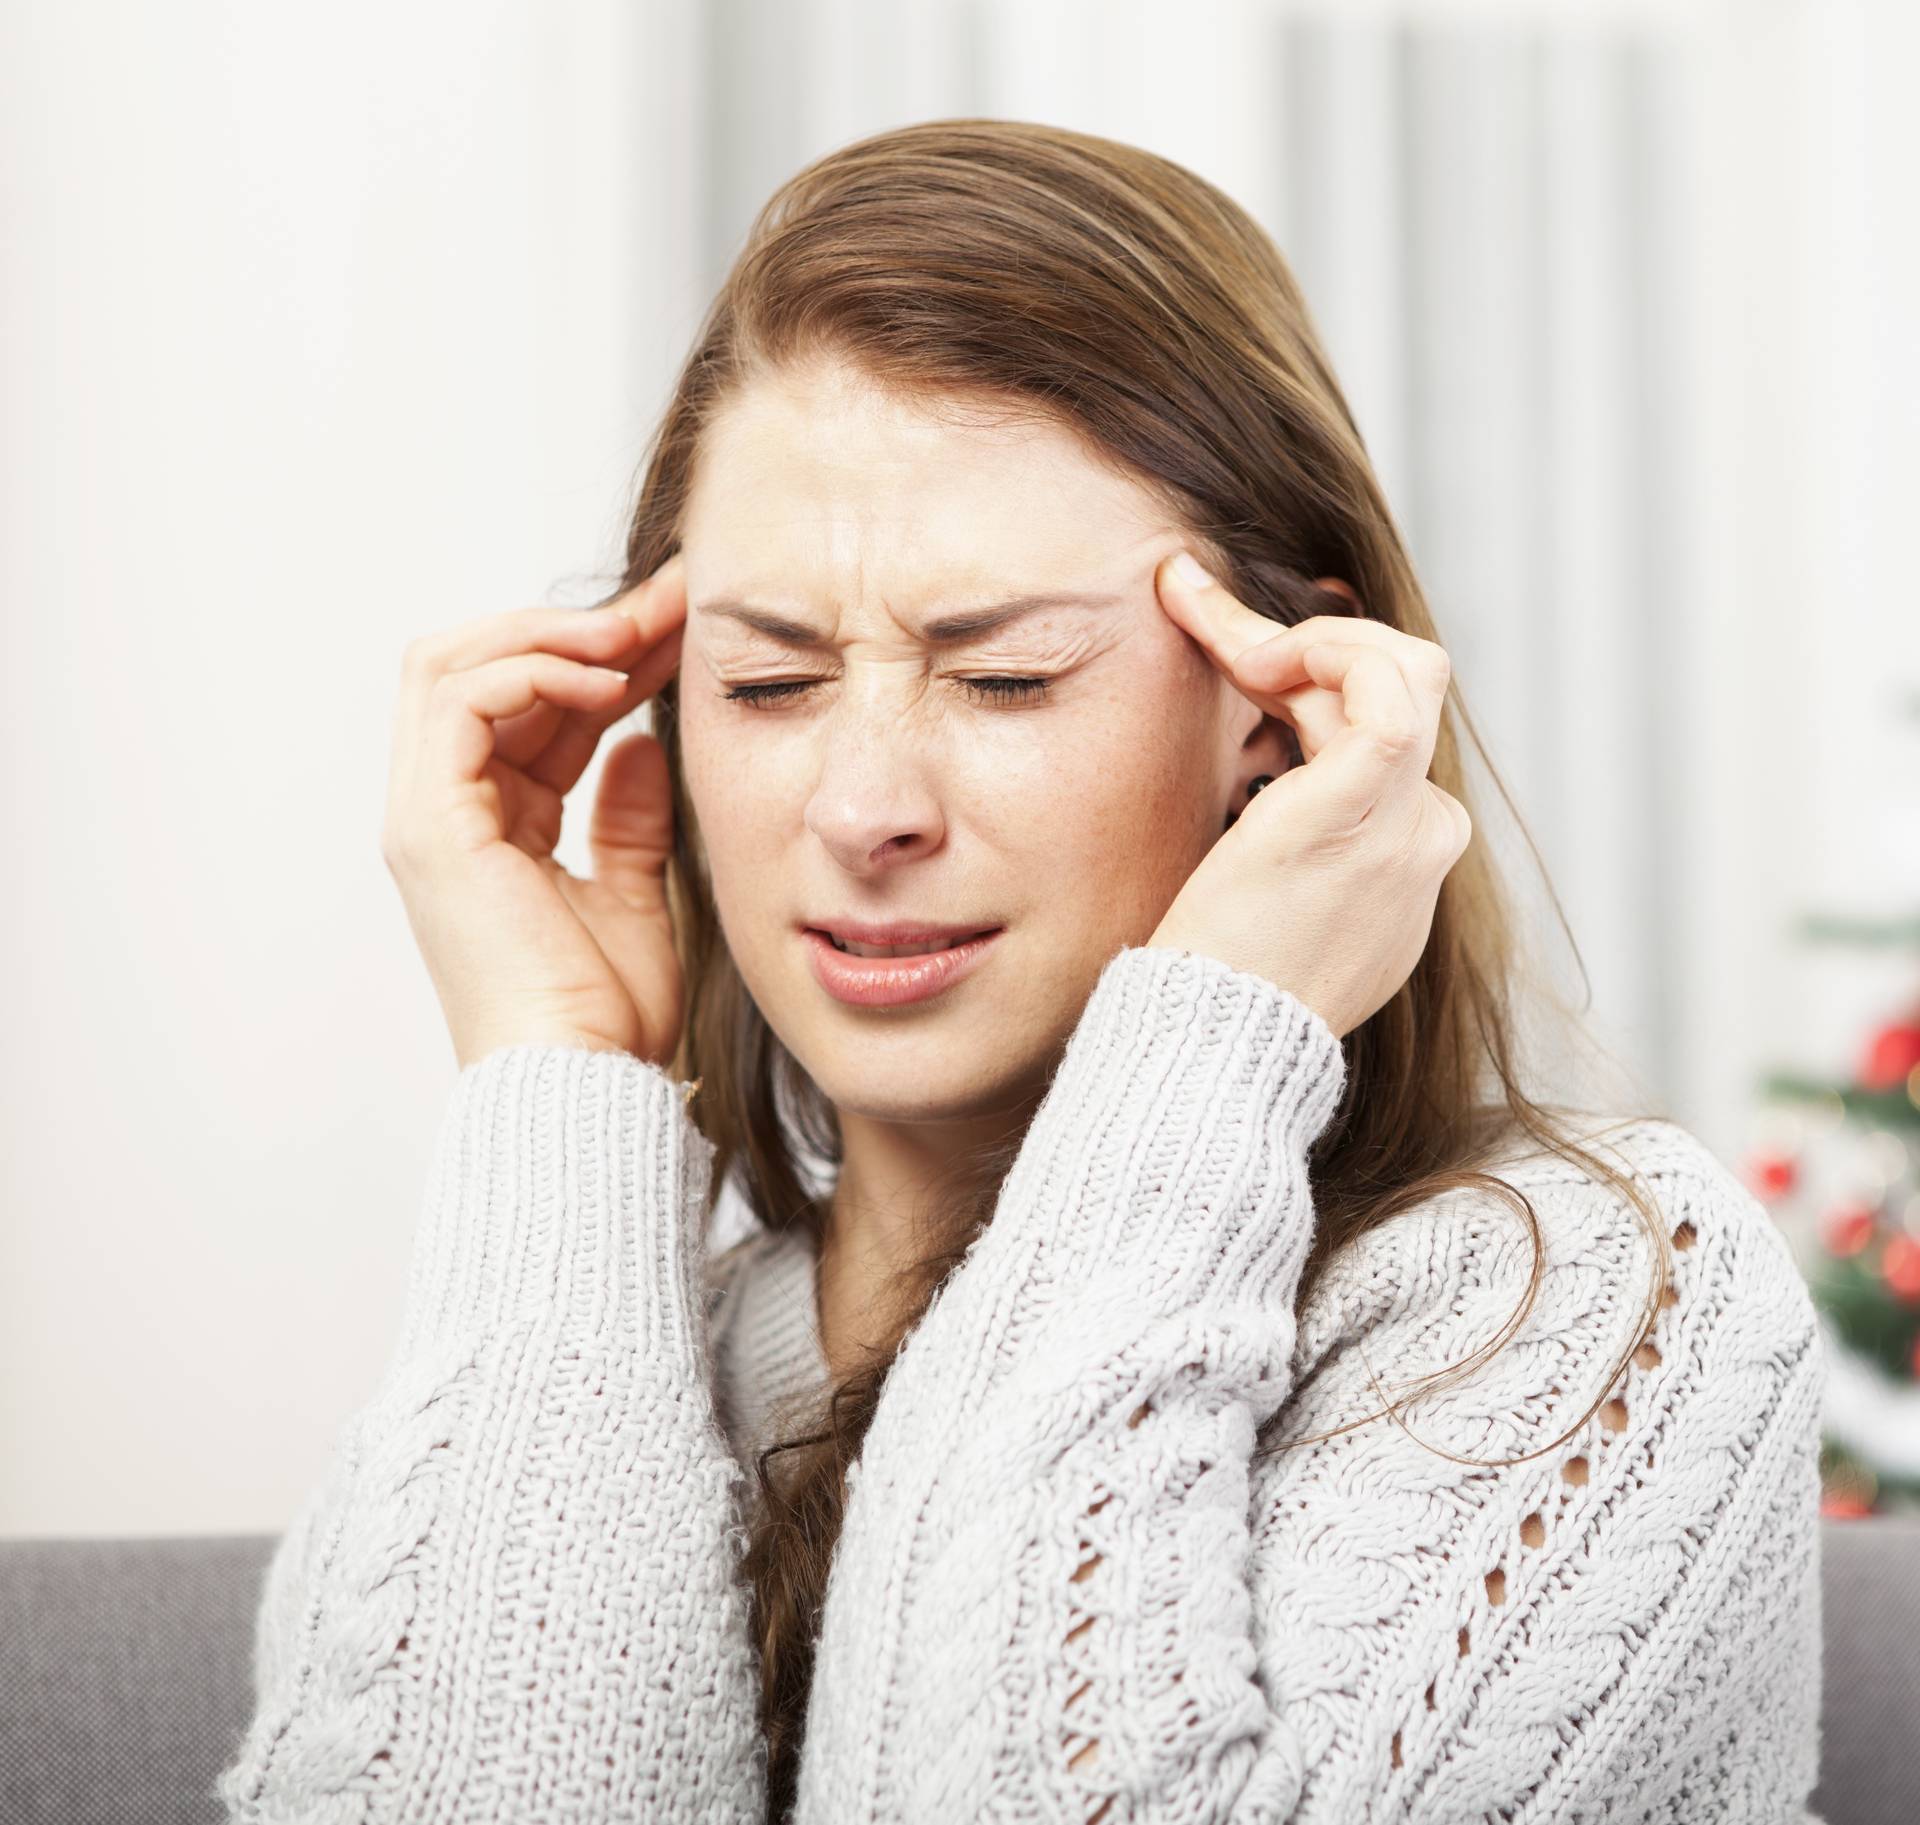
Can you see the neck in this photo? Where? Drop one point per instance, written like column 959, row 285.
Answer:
column 883, row 1220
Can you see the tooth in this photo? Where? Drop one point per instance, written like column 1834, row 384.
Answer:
column 897, row 950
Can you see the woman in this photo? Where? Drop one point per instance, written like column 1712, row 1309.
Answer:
column 1160, row 1408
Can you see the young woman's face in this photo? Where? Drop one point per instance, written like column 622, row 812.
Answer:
column 889, row 789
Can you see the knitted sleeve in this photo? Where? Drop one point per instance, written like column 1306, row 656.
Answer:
column 515, row 1594
column 1071, row 1586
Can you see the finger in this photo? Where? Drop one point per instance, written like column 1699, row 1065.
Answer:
column 1386, row 744
column 612, row 634
column 458, row 737
column 632, row 831
column 1458, row 816
column 574, row 633
column 1261, row 658
column 1227, row 630
column 649, row 609
column 563, row 757
column 658, row 603
column 1224, row 626
column 552, row 743
column 657, row 606
column 1314, row 712
column 1274, row 663
column 585, row 633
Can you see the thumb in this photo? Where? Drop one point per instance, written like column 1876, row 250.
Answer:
column 632, row 834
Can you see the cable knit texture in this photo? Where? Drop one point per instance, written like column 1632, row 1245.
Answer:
column 1067, row 1588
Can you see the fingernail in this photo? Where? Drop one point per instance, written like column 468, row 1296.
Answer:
column 1187, row 568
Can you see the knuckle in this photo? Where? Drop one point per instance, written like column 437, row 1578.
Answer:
column 416, row 658
column 1459, row 824
column 1394, row 742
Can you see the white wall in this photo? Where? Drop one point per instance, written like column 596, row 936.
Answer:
column 319, row 330
column 322, row 331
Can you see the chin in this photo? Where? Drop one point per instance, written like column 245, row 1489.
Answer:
column 953, row 1070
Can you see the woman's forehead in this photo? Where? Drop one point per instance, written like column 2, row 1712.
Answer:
column 847, row 483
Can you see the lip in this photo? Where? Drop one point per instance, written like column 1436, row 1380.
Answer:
column 884, row 982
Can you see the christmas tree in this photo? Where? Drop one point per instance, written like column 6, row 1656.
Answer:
column 1839, row 1174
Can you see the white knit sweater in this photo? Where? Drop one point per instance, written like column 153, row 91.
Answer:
column 516, row 1595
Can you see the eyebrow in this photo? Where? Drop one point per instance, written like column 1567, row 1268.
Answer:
column 943, row 630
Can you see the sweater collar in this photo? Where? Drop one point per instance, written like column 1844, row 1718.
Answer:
column 767, row 1356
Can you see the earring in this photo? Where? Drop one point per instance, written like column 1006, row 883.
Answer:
column 1253, row 786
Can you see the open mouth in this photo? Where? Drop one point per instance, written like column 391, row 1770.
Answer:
column 906, row 950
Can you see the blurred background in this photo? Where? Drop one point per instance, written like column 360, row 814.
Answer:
column 320, row 330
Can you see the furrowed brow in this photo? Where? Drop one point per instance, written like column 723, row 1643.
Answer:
column 942, row 630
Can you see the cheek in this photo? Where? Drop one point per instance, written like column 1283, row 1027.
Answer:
column 1114, row 784
column 719, row 768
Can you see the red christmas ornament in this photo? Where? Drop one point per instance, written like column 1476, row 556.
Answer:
column 1891, row 1053
column 1900, row 1268
column 1772, row 1175
column 1847, row 1228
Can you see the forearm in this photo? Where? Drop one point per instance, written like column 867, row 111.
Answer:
column 1141, row 1266
column 516, row 1594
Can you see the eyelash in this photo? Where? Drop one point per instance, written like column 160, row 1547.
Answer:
column 1004, row 690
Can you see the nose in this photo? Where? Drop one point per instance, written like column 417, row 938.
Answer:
column 873, row 802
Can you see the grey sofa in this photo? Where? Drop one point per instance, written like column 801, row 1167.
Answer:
column 126, row 1679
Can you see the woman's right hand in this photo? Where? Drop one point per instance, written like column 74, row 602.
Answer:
column 497, row 719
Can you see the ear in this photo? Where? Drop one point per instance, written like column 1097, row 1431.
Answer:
column 1342, row 586
column 1270, row 746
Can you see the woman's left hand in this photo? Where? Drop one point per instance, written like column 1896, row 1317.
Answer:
column 1326, row 883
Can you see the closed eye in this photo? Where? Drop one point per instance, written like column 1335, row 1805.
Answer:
column 1003, row 690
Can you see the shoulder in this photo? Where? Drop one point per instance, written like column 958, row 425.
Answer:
column 1583, row 1218
column 1610, row 1481
column 1720, row 1234
column 1567, row 1268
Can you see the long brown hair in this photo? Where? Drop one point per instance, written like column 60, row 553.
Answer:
column 1054, row 272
